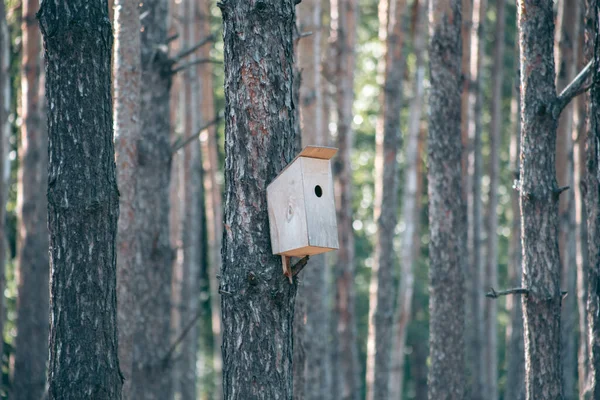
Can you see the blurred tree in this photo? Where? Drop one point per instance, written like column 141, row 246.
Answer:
column 5, row 131
column 83, row 201
column 447, row 221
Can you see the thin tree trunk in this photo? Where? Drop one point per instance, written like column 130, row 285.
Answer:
column 566, row 50
column 515, row 359
column 257, row 299
column 410, row 211
column 313, row 286
column 388, row 142
column 32, row 244
column 150, row 376
column 539, row 195
column 127, row 90
column 212, row 199
column 83, row 201
column 491, row 349
column 592, row 201
column 344, row 32
column 446, row 206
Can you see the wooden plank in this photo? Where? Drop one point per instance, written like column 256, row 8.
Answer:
column 320, row 152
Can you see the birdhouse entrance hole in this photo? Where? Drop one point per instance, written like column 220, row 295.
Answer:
column 318, row 191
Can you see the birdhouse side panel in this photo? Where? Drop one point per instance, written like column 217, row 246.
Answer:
column 317, row 180
column 287, row 215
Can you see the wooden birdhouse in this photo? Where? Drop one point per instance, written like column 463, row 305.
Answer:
column 301, row 204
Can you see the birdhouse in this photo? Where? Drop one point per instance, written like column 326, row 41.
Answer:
column 301, row 206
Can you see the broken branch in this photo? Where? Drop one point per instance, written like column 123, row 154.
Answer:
column 188, row 51
column 179, row 143
column 575, row 88
column 195, row 62
column 299, row 266
column 181, row 336
column 494, row 295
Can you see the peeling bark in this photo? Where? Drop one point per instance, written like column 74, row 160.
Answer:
column 83, row 201
column 32, row 247
column 257, row 300
column 446, row 206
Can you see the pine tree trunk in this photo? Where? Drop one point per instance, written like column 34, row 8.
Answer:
column 410, row 211
column 313, row 281
column 150, row 375
column 539, row 197
column 344, row 31
column 388, row 142
column 32, row 249
column 83, row 201
column 446, row 205
column 495, row 141
column 127, row 90
column 592, row 202
column 566, row 34
column 515, row 359
column 259, row 135
column 212, row 197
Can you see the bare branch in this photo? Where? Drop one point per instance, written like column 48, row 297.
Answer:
column 172, row 38
column 494, row 295
column 575, row 88
column 179, row 143
column 182, row 336
column 188, row 51
column 562, row 189
column 299, row 266
column 195, row 62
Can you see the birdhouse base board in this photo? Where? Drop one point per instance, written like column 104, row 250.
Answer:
column 307, row 251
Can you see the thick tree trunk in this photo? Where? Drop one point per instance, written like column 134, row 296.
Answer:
column 83, row 201
column 313, row 286
column 32, row 249
column 259, row 142
column 491, row 349
column 388, row 142
column 212, row 198
column 539, row 195
column 344, row 32
column 410, row 211
column 477, row 345
column 150, row 375
column 446, row 205
column 127, row 90
column 566, row 61
column 515, row 359
column 592, row 201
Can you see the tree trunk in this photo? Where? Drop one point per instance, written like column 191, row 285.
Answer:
column 410, row 212
column 515, row 359
column 259, row 135
column 150, row 376
column 539, row 195
column 491, row 349
column 5, row 131
column 344, row 32
column 127, row 90
column 32, row 250
column 212, row 199
column 566, row 34
column 446, row 205
column 83, row 201
column 592, row 201
column 388, row 142
column 313, row 287
column 480, row 384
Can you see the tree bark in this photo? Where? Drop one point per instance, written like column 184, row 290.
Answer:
column 388, row 142
column 313, row 288
column 592, row 201
column 32, row 247
column 150, row 375
column 566, row 61
column 446, row 205
column 127, row 90
column 212, row 198
column 495, row 141
column 257, row 299
column 515, row 359
column 539, row 195
column 83, row 201
column 410, row 211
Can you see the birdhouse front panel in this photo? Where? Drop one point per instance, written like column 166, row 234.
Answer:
column 302, row 215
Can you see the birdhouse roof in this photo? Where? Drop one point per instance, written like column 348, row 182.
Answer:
column 319, row 152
